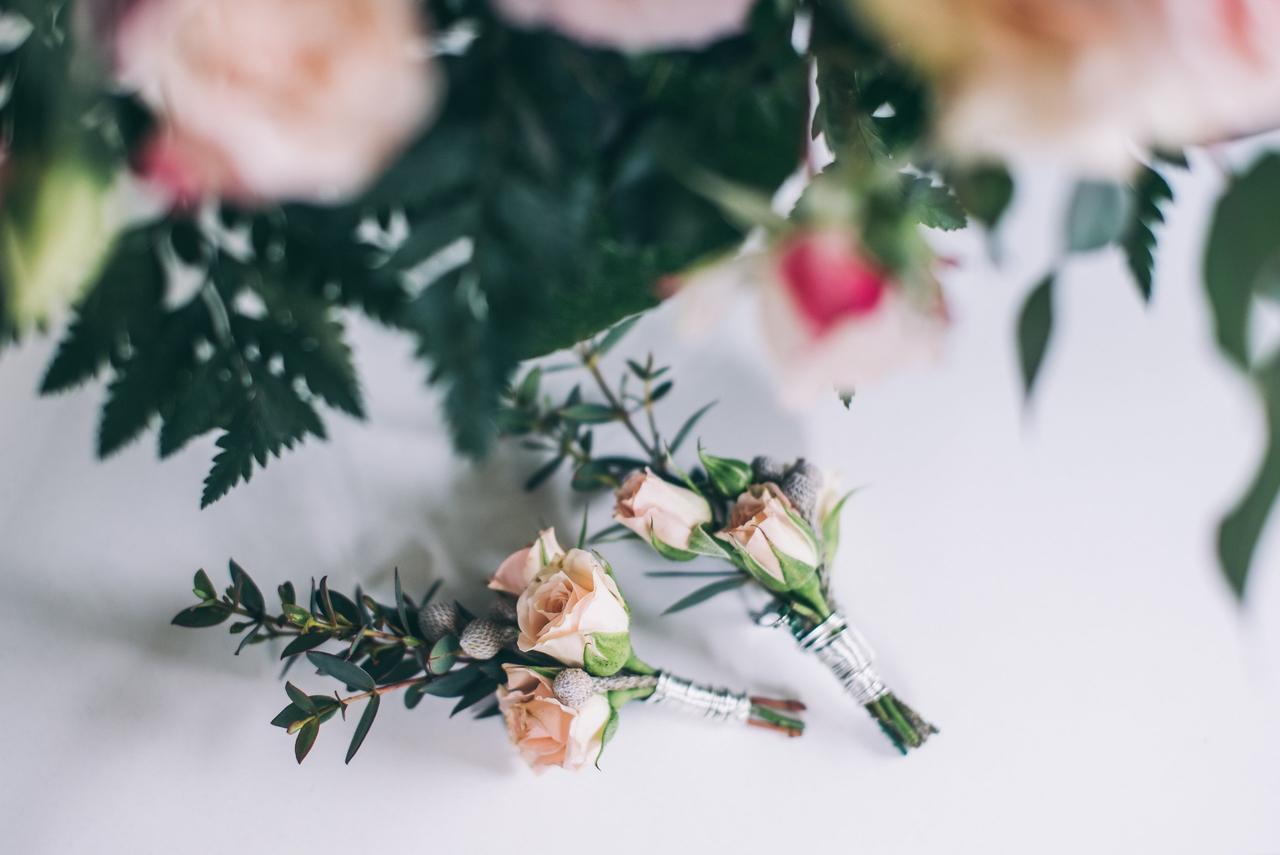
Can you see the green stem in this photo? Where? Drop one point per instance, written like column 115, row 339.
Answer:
column 591, row 362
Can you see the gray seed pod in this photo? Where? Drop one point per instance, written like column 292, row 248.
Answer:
column 574, row 687
column 438, row 619
column 802, row 485
column 483, row 638
column 503, row 609
column 768, row 469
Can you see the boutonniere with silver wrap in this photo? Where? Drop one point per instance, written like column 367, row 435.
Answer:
column 552, row 656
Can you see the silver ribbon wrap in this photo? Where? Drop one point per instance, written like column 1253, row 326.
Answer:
column 839, row 646
column 712, row 703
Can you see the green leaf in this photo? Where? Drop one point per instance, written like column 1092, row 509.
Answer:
column 728, row 476
column 1150, row 192
column 1243, row 247
column 706, row 592
column 1242, row 528
column 362, row 728
column 341, row 669
column 543, row 472
column 306, row 739
column 606, row 652
column 474, row 695
column 590, row 414
column 688, row 426
column 934, row 205
column 289, row 716
column 443, row 654
column 831, row 530
column 249, row 595
column 208, row 614
column 203, row 586
column 288, row 596
column 984, row 191
column 300, row 698
column 454, row 684
column 1035, row 326
column 615, row 335
column 413, row 695
column 303, row 643
column 1097, row 216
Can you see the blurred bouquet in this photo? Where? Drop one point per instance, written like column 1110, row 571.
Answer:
column 553, row 656
column 777, row 525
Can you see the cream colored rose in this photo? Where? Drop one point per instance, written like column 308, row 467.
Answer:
column 648, row 504
column 634, row 25
column 568, row 604
column 546, row 731
column 1083, row 81
column 760, row 523
column 520, row 567
column 279, row 99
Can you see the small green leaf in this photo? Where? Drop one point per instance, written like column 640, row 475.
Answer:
column 250, row 596
column 413, row 695
column 1098, row 215
column 728, row 476
column 290, row 715
column 615, row 334
column 306, row 739
column 984, row 191
column 1035, row 326
column 606, row 652
column 209, row 614
column 473, row 696
column 544, row 472
column 287, row 595
column 589, row 414
column 297, row 615
column 831, row 529
column 443, row 654
column 455, row 684
column 706, row 592
column 362, row 728
column 203, row 587
column 688, row 426
column 303, row 643
column 340, row 669
column 299, row 698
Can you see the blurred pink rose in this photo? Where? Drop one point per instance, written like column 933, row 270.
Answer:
column 276, row 99
column 520, row 567
column 546, row 731
column 650, row 505
column 634, row 25
column 1083, row 81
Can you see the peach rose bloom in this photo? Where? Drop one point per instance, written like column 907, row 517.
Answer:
column 648, row 504
column 277, row 99
column 634, row 25
column 759, row 523
column 1084, row 80
column 547, row 732
column 518, row 569
column 568, row 602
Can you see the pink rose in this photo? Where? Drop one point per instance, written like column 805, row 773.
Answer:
column 650, row 505
column 1082, row 81
column 574, row 613
column 546, row 731
column 760, row 523
column 518, row 569
column 276, row 99
column 634, row 25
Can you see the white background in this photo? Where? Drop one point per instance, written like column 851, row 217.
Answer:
column 1040, row 583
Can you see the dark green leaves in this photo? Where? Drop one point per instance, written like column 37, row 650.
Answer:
column 306, row 739
column 984, row 191
column 1035, row 325
column 1150, row 192
column 706, row 592
column 209, row 614
column 362, row 728
column 443, row 654
column 340, row 669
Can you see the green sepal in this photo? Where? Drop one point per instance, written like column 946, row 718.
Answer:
column 606, row 652
column 798, row 575
column 610, row 728
column 728, row 476
column 831, row 529
column 671, row 553
column 756, row 570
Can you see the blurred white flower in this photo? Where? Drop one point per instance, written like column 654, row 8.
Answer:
column 276, row 99
column 1083, row 81
column 634, row 25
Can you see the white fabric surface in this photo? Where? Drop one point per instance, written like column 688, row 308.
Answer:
column 1041, row 584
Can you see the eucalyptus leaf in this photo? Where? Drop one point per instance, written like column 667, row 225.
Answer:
column 362, row 727
column 340, row 669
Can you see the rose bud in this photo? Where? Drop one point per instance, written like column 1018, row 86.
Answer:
column 574, row 613
column 771, row 539
column 275, row 99
column 518, row 569
column 662, row 513
column 546, row 731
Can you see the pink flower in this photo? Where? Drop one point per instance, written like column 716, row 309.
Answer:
column 520, row 567
column 634, row 25
column 276, row 99
column 571, row 601
column 760, row 524
column 546, row 731
column 652, row 506
column 1083, row 81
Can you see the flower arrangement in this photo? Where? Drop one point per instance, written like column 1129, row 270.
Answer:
column 553, row 656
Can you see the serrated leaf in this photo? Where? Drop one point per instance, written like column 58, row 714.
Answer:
column 349, row 673
column 934, row 205
column 1150, row 192
column 362, row 727
column 706, row 592
column 1035, row 326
